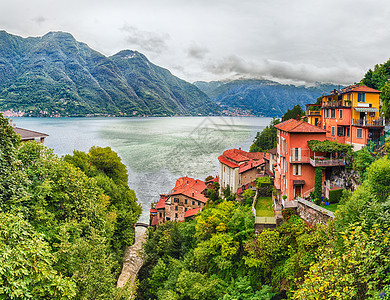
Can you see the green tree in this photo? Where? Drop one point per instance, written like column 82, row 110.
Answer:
column 295, row 113
column 27, row 264
column 266, row 139
column 318, row 185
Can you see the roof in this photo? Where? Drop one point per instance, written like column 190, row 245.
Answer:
column 236, row 155
column 250, row 165
column 161, row 202
column 191, row 212
column 358, row 88
column 190, row 187
column 153, row 210
column 295, row 126
column 273, row 151
column 26, row 134
column 230, row 164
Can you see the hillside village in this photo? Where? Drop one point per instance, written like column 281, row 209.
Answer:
column 311, row 152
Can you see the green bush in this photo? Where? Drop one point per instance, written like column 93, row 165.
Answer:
column 335, row 195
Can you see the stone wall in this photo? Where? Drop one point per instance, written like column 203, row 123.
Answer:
column 312, row 213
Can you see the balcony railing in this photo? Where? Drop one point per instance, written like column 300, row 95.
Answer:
column 313, row 113
column 369, row 122
column 336, row 104
column 325, row 162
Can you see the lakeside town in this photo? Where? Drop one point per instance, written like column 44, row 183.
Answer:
column 346, row 120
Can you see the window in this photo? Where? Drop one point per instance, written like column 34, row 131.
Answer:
column 347, row 134
column 176, row 216
column 348, row 96
column 176, row 207
column 371, row 114
column 176, row 200
column 340, row 131
column 359, row 133
column 185, row 209
column 340, row 114
column 333, row 130
column 296, row 170
column 333, row 113
column 361, row 97
column 160, row 215
column 185, row 201
column 296, row 154
column 193, row 202
column 324, row 126
column 168, row 218
column 327, row 113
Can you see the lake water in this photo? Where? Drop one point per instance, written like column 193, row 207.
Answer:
column 156, row 151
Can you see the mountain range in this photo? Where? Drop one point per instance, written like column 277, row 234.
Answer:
column 57, row 75
column 261, row 97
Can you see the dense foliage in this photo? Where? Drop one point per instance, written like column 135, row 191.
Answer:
column 379, row 79
column 261, row 97
column 295, row 113
column 62, row 233
column 55, row 74
column 266, row 139
column 329, row 147
column 348, row 258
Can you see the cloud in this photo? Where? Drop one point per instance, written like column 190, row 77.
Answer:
column 197, row 52
column 283, row 71
column 39, row 20
column 145, row 40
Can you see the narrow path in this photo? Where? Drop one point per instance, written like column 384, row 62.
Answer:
column 133, row 260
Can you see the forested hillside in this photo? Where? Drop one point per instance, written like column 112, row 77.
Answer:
column 64, row 223
column 218, row 256
column 262, row 97
column 55, row 74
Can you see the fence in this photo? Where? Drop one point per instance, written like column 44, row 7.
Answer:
column 375, row 144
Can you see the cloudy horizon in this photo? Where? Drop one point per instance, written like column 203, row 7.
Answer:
column 299, row 42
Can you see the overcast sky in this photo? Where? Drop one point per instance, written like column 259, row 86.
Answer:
column 300, row 41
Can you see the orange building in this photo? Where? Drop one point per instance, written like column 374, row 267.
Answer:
column 295, row 171
column 184, row 200
column 351, row 116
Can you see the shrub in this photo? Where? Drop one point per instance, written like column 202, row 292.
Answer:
column 335, row 195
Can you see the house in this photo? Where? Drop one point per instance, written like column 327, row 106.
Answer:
column 351, row 116
column 313, row 114
column 240, row 168
column 295, row 171
column 29, row 135
column 183, row 201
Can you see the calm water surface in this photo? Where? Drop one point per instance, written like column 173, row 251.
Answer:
column 156, row 151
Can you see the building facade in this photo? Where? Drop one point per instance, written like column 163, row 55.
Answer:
column 295, row 171
column 184, row 200
column 349, row 116
column 239, row 168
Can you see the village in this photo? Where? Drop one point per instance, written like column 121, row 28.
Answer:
column 311, row 152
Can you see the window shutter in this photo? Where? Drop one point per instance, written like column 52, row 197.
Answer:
column 299, row 154
column 293, row 154
column 299, row 169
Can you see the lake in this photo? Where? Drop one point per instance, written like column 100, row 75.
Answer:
column 156, row 151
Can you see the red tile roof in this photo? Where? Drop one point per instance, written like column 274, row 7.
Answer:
column 161, row 202
column 273, row 151
column 358, row 88
column 191, row 188
column 230, row 164
column 191, row 212
column 153, row 210
column 250, row 165
column 236, row 155
column 299, row 127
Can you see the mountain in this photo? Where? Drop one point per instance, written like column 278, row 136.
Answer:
column 55, row 74
column 262, row 97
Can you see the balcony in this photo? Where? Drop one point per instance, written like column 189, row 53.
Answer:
column 336, row 104
column 369, row 123
column 313, row 113
column 320, row 161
